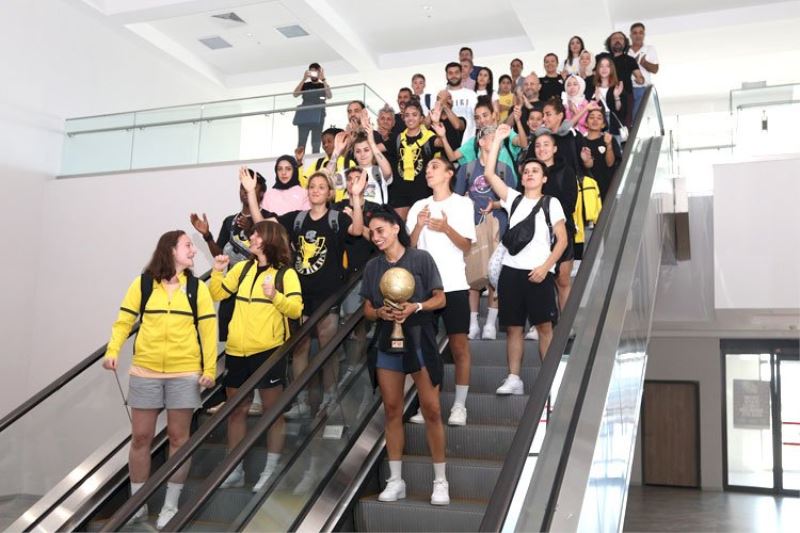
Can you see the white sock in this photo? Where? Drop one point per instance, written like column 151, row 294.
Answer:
column 256, row 398
column 491, row 315
column 302, row 397
column 272, row 460
column 513, row 377
column 173, row 494
column 473, row 318
column 461, row 395
column 135, row 487
column 396, row 470
column 438, row 472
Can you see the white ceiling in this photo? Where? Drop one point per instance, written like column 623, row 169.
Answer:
column 357, row 38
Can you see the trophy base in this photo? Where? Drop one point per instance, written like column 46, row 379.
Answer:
column 397, row 346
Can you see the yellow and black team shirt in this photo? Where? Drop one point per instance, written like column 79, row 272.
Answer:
column 413, row 156
column 167, row 339
column 258, row 323
column 338, row 178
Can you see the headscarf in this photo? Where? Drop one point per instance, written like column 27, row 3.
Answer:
column 579, row 98
column 294, row 181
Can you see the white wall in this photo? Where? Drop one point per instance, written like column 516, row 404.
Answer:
column 59, row 60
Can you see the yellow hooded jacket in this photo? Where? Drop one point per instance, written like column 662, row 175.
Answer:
column 167, row 339
column 258, row 323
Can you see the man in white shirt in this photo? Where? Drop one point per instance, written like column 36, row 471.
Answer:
column 647, row 57
column 443, row 225
column 464, row 99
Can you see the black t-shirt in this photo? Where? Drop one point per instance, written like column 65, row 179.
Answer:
column 359, row 249
column 454, row 136
column 318, row 251
column 399, row 125
column 313, row 93
column 563, row 184
column 417, row 155
column 550, row 87
column 624, row 65
column 418, row 262
column 600, row 171
column 233, row 240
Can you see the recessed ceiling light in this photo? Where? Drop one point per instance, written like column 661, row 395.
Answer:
column 233, row 17
column 215, row 42
column 293, row 31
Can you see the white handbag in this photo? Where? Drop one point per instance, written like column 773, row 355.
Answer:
column 496, row 264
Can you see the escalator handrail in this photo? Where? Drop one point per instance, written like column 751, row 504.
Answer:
column 162, row 475
column 61, row 381
column 209, row 487
column 503, row 493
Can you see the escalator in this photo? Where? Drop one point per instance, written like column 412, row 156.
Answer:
column 579, row 414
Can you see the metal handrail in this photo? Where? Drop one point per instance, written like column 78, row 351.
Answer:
column 162, row 475
column 221, row 472
column 212, row 102
column 503, row 493
column 25, row 407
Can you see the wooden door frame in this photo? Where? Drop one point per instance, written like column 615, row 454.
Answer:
column 696, row 386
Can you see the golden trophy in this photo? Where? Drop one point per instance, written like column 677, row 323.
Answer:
column 397, row 286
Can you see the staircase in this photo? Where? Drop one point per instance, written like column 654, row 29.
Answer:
column 475, row 452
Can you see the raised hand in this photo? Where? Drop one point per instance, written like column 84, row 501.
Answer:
column 340, row 142
column 247, row 180
column 439, row 129
column 593, row 104
column 517, row 113
column 586, row 155
column 598, row 94
column 618, row 90
column 438, row 224
column 436, row 113
column 299, row 152
column 358, row 185
column 199, row 224
column 503, row 131
column 608, row 139
column 221, row 262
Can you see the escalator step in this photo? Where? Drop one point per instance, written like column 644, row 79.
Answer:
column 417, row 514
column 209, row 456
column 493, row 353
column 488, row 408
column 488, row 378
column 472, row 441
column 471, row 479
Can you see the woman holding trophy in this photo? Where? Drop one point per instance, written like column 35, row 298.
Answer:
column 401, row 289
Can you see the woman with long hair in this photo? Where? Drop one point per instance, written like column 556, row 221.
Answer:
column 318, row 238
column 268, row 295
column 420, row 357
column 607, row 89
column 169, row 364
column 571, row 63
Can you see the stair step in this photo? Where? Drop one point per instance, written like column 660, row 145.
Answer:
column 471, row 441
column 487, row 408
column 470, row 479
column 417, row 514
column 487, row 378
column 493, row 353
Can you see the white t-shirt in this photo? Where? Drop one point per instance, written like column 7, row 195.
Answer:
column 464, row 101
column 482, row 92
column 652, row 57
column 448, row 257
column 374, row 191
column 537, row 251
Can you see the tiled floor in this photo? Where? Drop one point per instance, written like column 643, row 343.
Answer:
column 672, row 509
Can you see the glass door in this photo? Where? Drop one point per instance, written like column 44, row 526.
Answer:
column 762, row 416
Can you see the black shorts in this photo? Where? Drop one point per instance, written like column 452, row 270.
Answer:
column 241, row 368
column 522, row 300
column 311, row 304
column 456, row 313
column 569, row 251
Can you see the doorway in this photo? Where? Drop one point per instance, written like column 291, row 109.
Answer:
column 761, row 415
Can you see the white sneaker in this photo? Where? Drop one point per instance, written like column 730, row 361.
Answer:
column 417, row 418
column 511, row 385
column 441, row 492
column 139, row 516
column 256, row 409
column 474, row 331
column 166, row 514
column 395, row 490
column 458, row 415
column 489, row 332
column 263, row 478
column 327, row 399
column 213, row 410
column 235, row 479
column 307, row 483
column 298, row 410
column 532, row 334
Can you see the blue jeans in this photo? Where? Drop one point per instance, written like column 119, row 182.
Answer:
column 638, row 92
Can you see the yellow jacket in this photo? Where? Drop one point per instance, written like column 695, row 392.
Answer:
column 167, row 339
column 306, row 172
column 258, row 323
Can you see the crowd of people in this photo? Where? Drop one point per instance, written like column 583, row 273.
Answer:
column 406, row 192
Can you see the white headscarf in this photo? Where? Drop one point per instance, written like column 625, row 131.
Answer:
column 578, row 98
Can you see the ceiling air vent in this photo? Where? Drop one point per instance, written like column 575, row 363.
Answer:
column 215, row 42
column 233, row 17
column 292, row 31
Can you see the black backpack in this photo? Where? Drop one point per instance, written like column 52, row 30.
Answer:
column 517, row 237
column 291, row 324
